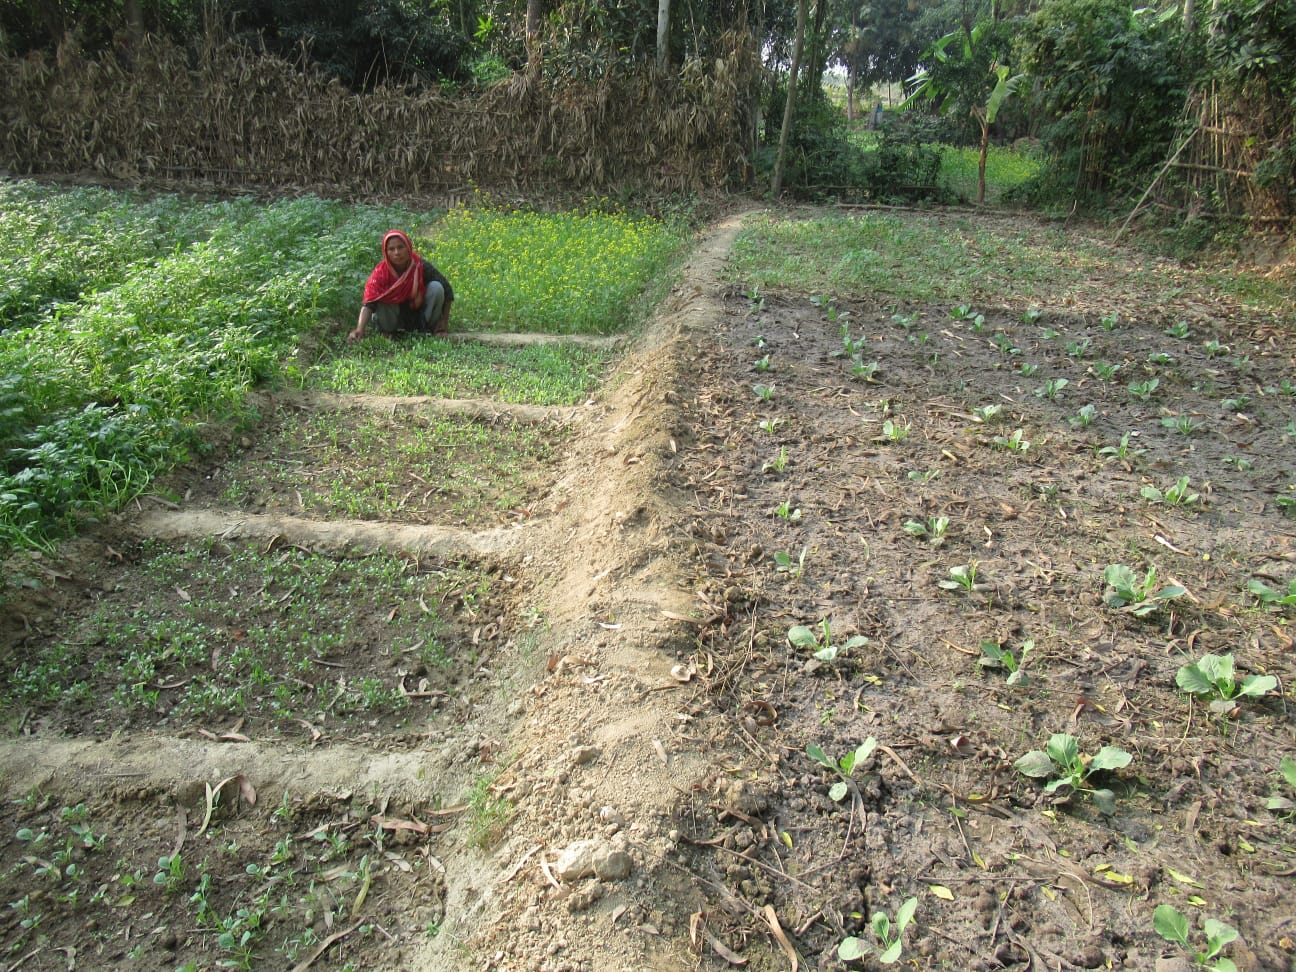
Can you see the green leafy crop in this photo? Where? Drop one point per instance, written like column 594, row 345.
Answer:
column 1063, row 765
column 1212, row 677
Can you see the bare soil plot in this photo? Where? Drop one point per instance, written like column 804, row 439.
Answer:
column 943, row 501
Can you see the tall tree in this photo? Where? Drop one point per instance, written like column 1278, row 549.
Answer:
column 663, row 33
column 789, row 105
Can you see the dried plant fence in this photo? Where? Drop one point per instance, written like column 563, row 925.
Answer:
column 1218, row 167
column 233, row 118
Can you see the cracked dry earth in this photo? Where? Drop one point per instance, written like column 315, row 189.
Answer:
column 603, row 766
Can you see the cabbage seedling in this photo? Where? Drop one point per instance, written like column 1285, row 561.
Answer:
column 1171, row 925
column 888, row 936
column 1084, row 418
column 893, row 431
column 864, row 372
column 824, row 650
column 1144, row 390
column 1014, row 442
column 1051, row 388
column 1212, row 677
column 1179, row 329
column 1174, row 495
column 763, row 392
column 1267, row 595
column 961, row 578
column 1120, row 451
column 1062, row 763
column 933, row 531
column 1105, row 370
column 1127, row 592
column 1281, row 804
column 994, row 655
column 843, row 767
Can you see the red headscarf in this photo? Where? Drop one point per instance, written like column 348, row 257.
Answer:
column 386, row 286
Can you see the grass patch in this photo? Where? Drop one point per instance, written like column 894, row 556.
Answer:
column 1006, row 169
column 215, row 631
column 555, row 273
column 880, row 255
column 529, row 375
column 411, row 467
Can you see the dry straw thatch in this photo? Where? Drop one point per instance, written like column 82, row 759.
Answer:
column 233, row 118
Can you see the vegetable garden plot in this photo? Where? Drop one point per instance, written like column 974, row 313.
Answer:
column 552, row 374
column 1020, row 554
column 415, row 468
column 197, row 637
column 224, row 877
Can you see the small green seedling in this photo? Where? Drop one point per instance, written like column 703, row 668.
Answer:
column 1183, row 424
column 1109, row 321
column 824, row 649
column 862, row 371
column 1004, row 344
column 1120, row 451
column 171, row 872
column 923, row 476
column 1176, row 494
column 961, row 578
column 1027, row 369
column 851, row 346
column 1078, row 349
column 1287, row 502
column 1014, row 442
column 1160, row 358
column 963, row 312
column 784, row 563
column 1051, row 388
column 1281, row 804
column 1084, row 418
column 1214, row 349
column 759, row 340
column 1179, row 329
column 894, row 432
column 996, row 656
column 888, row 936
column 785, row 511
column 1212, row 677
column 1105, row 370
column 1144, row 390
column 1062, row 763
column 1031, row 315
column 778, row 463
column 1268, row 596
column 933, row 531
column 770, row 425
column 843, row 767
column 762, row 364
column 987, row 413
column 763, row 392
column 1171, row 925
column 1235, row 404
column 1139, row 597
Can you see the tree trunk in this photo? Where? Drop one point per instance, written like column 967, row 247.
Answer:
column 533, row 15
column 981, row 162
column 663, row 33
column 776, row 186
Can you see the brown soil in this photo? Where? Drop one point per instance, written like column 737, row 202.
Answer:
column 628, row 678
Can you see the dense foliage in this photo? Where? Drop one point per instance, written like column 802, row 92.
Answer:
column 129, row 326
